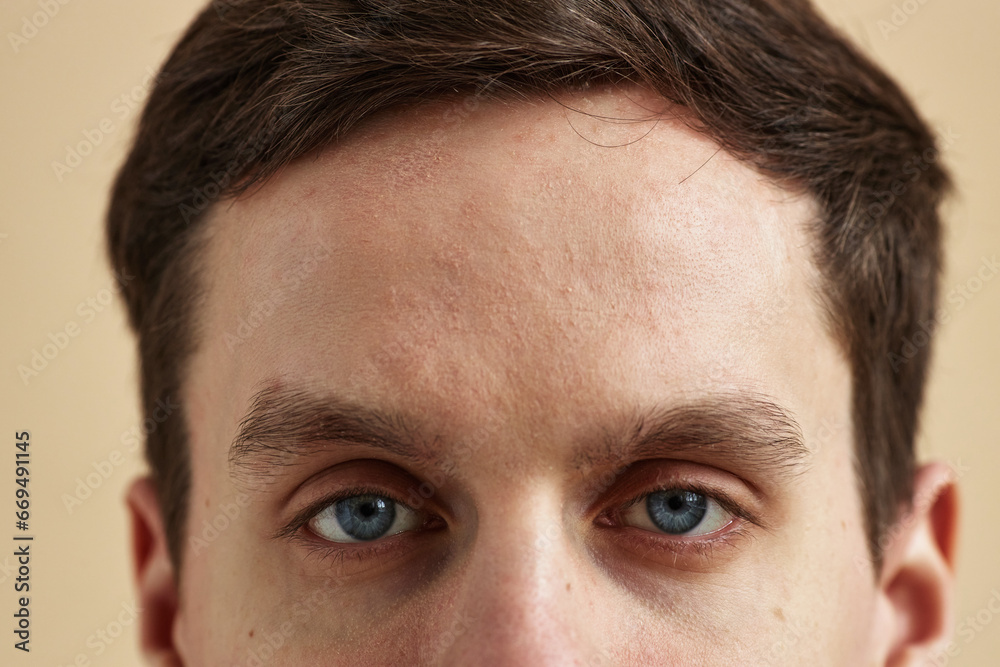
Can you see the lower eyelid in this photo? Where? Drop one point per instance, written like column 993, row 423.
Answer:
column 696, row 551
column 341, row 553
column 647, row 544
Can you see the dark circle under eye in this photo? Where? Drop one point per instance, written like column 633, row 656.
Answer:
column 676, row 511
column 365, row 517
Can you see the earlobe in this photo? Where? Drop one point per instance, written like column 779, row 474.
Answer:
column 154, row 574
column 917, row 580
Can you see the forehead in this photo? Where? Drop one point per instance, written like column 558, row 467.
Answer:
column 462, row 255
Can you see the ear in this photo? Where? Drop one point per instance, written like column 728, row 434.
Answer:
column 154, row 575
column 917, row 580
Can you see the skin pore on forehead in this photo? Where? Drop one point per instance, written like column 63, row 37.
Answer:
column 523, row 213
column 525, row 278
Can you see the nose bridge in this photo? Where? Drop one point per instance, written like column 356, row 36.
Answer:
column 525, row 598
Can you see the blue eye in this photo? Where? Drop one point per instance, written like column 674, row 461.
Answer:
column 363, row 518
column 678, row 512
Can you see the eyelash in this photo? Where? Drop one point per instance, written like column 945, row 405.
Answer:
column 703, row 545
column 639, row 538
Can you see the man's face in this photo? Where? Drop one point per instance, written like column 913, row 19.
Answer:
column 474, row 386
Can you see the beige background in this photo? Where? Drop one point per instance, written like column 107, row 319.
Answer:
column 89, row 62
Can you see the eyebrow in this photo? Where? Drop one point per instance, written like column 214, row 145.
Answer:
column 288, row 426
column 747, row 431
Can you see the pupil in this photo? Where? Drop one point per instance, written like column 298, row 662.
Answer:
column 675, row 503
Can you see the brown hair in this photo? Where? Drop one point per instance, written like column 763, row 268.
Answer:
column 254, row 84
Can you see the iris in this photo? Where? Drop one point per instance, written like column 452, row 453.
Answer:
column 365, row 517
column 676, row 511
